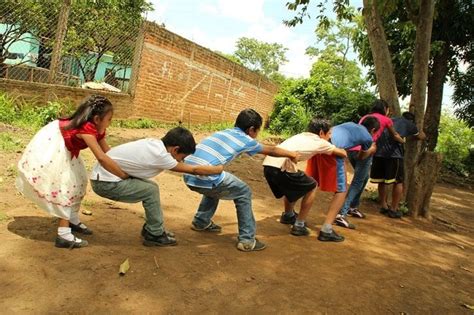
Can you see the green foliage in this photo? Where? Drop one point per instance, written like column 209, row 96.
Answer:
column 259, row 56
column 30, row 115
column 464, row 95
column 9, row 143
column 455, row 142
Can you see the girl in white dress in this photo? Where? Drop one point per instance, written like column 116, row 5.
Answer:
column 51, row 173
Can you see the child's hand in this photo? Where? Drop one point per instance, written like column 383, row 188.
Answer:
column 296, row 157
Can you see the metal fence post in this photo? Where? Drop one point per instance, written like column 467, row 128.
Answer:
column 58, row 44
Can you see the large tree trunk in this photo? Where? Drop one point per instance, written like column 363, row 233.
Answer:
column 416, row 194
column 435, row 97
column 381, row 55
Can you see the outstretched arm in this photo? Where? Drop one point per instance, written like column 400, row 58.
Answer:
column 198, row 169
column 339, row 152
column 104, row 160
column 279, row 152
column 395, row 135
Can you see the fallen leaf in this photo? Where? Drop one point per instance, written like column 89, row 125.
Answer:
column 460, row 246
column 124, row 267
column 464, row 268
column 86, row 212
column 156, row 262
column 471, row 307
column 402, row 286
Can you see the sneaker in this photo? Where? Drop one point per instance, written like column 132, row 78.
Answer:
column 78, row 229
column 354, row 212
column 330, row 237
column 250, row 247
column 169, row 233
column 299, row 230
column 342, row 221
column 64, row 243
column 160, row 240
column 211, row 227
column 288, row 219
column 394, row 214
column 384, row 210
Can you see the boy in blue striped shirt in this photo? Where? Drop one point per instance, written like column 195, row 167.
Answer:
column 219, row 149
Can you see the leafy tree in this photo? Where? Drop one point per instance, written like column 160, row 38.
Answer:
column 464, row 95
column 256, row 55
column 97, row 27
column 230, row 57
column 26, row 16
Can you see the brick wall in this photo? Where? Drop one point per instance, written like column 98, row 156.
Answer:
column 42, row 93
column 179, row 80
column 173, row 79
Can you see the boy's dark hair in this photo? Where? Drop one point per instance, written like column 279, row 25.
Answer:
column 371, row 122
column 88, row 109
column 248, row 118
column 379, row 106
column 409, row 116
column 182, row 138
column 318, row 124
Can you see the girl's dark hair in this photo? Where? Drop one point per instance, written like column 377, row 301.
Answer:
column 318, row 124
column 88, row 109
column 379, row 106
column 248, row 118
column 409, row 116
column 182, row 138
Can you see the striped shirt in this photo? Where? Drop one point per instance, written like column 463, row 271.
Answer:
column 219, row 149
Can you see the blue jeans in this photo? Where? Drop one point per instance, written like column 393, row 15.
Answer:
column 231, row 188
column 359, row 181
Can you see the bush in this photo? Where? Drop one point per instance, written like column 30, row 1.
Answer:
column 455, row 142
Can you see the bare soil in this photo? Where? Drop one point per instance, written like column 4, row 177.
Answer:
column 385, row 266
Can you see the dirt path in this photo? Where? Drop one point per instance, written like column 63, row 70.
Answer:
column 384, row 266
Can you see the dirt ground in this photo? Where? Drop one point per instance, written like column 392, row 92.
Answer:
column 385, row 266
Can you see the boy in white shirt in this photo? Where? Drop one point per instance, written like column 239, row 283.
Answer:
column 142, row 160
column 285, row 180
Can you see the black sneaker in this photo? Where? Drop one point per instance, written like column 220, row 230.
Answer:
column 78, row 229
column 160, row 240
column 251, row 246
column 211, row 227
column 342, row 221
column 288, row 219
column 394, row 214
column 64, row 243
column 299, row 230
column 143, row 233
column 356, row 213
column 384, row 210
column 330, row 237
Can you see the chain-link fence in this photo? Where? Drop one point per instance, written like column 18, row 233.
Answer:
column 81, row 43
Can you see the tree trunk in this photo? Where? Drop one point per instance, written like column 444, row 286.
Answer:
column 381, row 55
column 416, row 194
column 424, row 179
column 435, row 97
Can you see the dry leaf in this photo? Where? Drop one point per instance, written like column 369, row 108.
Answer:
column 124, row 267
column 86, row 212
column 471, row 307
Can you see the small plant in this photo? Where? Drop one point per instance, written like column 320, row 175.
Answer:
column 372, row 196
column 3, row 217
column 141, row 123
column 9, row 143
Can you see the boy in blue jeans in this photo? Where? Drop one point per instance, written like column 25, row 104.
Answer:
column 219, row 149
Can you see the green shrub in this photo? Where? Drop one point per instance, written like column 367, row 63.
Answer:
column 455, row 142
column 140, row 123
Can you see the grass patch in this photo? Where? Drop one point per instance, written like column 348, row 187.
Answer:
column 3, row 217
column 10, row 143
column 141, row 123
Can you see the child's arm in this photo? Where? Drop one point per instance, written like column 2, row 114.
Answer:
column 279, row 152
column 104, row 160
column 198, row 169
column 395, row 135
column 339, row 152
column 103, row 145
column 365, row 154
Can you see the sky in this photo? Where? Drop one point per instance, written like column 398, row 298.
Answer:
column 218, row 24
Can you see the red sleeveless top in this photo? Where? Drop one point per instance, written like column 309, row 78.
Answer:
column 72, row 142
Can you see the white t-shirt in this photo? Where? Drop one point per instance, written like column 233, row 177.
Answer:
column 307, row 144
column 143, row 158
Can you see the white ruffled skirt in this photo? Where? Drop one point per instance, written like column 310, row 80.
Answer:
column 49, row 176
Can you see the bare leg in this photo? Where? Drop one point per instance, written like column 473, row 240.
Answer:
column 397, row 194
column 383, row 195
column 336, row 204
column 63, row 223
column 289, row 206
column 306, row 204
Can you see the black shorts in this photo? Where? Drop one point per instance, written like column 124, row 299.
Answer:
column 291, row 185
column 386, row 170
